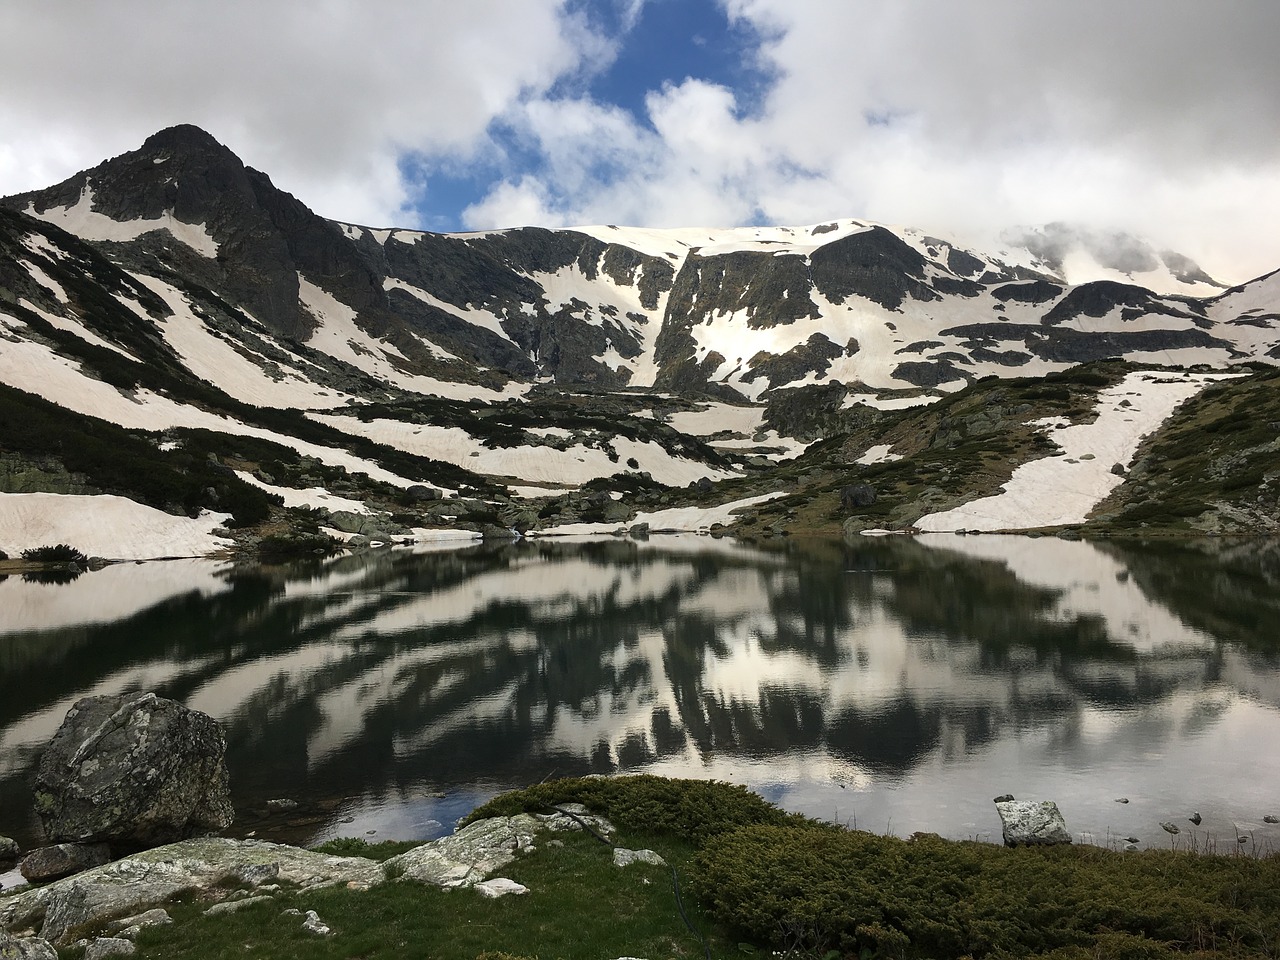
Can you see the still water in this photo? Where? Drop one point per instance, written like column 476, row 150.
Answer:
column 895, row 684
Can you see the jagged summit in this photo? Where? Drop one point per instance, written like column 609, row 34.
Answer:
column 734, row 313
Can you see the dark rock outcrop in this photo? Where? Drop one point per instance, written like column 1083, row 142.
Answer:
column 134, row 772
column 62, row 860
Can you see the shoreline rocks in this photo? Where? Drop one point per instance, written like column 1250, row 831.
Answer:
column 1032, row 823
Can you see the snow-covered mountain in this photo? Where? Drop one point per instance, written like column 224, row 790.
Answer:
column 172, row 288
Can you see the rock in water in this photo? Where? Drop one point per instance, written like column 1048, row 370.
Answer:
column 133, row 771
column 1032, row 823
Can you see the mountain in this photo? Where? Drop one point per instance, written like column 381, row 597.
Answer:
column 253, row 355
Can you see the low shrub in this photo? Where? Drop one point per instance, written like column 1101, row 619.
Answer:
column 804, row 888
column 60, row 553
column 693, row 810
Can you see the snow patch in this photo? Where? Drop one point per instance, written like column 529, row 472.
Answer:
column 105, row 526
column 1063, row 489
column 86, row 223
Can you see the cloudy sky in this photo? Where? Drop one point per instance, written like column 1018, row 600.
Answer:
column 1158, row 117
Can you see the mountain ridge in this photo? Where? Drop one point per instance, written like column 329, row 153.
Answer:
column 174, row 290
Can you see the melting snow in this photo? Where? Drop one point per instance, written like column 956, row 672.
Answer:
column 85, row 222
column 1063, row 489
column 104, row 526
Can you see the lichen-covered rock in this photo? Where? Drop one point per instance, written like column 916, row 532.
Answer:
column 485, row 846
column 153, row 877
column 625, row 858
column 134, row 772
column 25, row 948
column 62, row 860
column 9, row 850
column 471, row 854
column 1032, row 823
column 104, row 947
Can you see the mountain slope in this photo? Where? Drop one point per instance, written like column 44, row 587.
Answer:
column 518, row 378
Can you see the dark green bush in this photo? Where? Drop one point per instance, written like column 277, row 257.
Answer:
column 803, row 887
column 690, row 809
column 61, row 553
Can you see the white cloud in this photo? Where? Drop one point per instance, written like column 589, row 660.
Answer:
column 324, row 97
column 1159, row 117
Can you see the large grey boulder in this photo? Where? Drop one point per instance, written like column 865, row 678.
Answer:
column 1032, row 823
column 135, row 772
column 9, row 850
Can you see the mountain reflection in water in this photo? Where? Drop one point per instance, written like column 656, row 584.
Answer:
column 897, row 684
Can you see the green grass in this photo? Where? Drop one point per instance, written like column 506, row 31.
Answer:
column 579, row 906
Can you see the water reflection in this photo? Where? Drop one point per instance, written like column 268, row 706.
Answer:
column 900, row 682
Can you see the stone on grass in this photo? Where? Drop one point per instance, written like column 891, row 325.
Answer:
column 313, row 924
column 135, row 771
column 1032, row 823
column 130, row 927
column 233, row 906
column 109, row 947
column 625, row 858
column 62, row 860
column 500, row 887
column 481, row 848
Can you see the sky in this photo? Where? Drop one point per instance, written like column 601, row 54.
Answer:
column 1159, row 118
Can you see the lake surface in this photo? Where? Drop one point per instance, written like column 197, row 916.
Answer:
column 893, row 684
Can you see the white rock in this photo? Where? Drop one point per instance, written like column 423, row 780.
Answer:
column 500, row 887
column 1032, row 823
column 313, row 924
column 625, row 858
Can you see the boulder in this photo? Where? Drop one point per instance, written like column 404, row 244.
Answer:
column 9, row 850
column 500, row 887
column 1032, row 823
column 134, row 772
column 486, row 846
column 104, row 947
column 62, row 860
column 857, row 495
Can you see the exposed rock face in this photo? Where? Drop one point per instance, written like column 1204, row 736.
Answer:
column 134, row 772
column 1032, row 823
column 480, row 848
column 152, row 877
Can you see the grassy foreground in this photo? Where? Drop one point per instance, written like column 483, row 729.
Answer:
column 756, row 880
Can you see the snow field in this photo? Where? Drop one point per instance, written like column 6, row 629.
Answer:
column 105, row 526
column 533, row 465
column 1064, row 488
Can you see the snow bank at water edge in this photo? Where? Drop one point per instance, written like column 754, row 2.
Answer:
column 674, row 518
column 1065, row 487
column 105, row 526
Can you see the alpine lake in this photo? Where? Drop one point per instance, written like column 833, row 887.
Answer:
column 891, row 684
